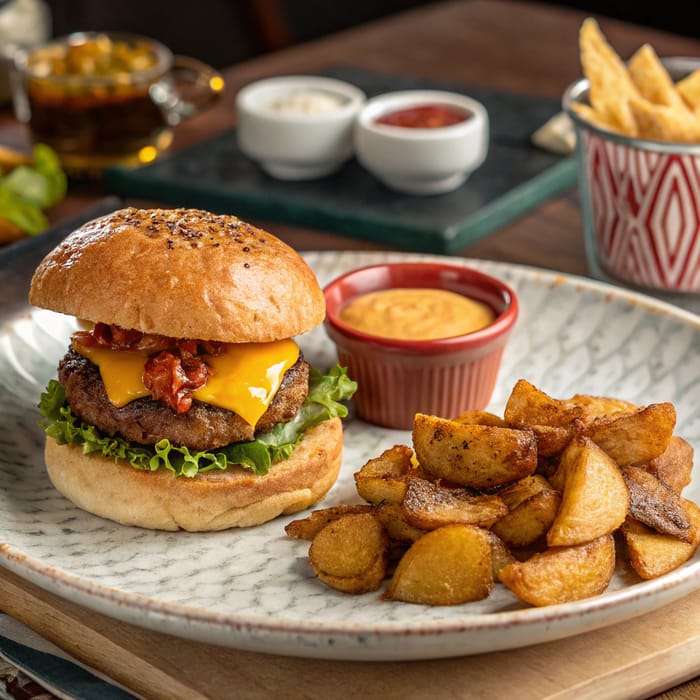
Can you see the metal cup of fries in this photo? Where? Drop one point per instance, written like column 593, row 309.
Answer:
column 638, row 144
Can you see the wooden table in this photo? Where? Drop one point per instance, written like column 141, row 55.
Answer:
column 523, row 47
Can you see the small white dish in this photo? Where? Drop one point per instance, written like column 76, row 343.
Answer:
column 422, row 160
column 298, row 127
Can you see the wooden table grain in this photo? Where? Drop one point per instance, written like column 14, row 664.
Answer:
column 520, row 46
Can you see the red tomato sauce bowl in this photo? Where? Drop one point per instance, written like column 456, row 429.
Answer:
column 398, row 378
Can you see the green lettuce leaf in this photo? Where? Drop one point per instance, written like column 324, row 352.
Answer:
column 326, row 391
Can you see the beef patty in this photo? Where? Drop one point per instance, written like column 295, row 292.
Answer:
column 203, row 427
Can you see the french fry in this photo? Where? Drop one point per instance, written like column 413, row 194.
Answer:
column 429, row 506
column 595, row 500
column 562, row 574
column 448, row 566
column 350, row 553
column 661, row 123
column 478, row 456
column 652, row 79
column 611, row 87
column 689, row 89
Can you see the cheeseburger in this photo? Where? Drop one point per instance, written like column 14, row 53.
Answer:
column 183, row 401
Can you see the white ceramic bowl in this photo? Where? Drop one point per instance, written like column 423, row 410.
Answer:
column 293, row 144
column 421, row 160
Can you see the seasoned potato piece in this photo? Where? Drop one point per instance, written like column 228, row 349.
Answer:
column 391, row 515
column 674, row 465
column 500, row 554
column 655, row 504
column 595, row 500
column 562, row 574
column 307, row 528
column 533, row 504
column 428, row 505
column 448, row 566
column 601, row 407
column 551, row 440
column 350, row 553
column 384, row 478
column 637, row 438
column 652, row 554
column 527, row 406
column 478, row 456
column 476, row 417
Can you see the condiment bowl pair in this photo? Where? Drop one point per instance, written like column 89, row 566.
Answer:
column 422, row 159
column 398, row 378
column 298, row 127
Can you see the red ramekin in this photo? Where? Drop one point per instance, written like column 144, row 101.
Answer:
column 399, row 378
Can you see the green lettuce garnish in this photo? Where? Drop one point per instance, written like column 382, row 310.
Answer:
column 326, row 391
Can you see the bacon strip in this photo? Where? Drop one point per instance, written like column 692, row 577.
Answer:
column 174, row 370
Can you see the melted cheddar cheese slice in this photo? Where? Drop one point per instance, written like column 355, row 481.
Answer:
column 246, row 377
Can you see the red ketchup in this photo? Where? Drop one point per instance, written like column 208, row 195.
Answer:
column 429, row 116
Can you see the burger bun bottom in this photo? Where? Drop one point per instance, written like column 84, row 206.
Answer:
column 215, row 500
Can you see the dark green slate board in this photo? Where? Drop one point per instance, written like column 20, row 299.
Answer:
column 516, row 177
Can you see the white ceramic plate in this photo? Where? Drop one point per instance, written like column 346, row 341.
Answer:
column 253, row 589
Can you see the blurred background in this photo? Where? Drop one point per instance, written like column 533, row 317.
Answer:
column 223, row 32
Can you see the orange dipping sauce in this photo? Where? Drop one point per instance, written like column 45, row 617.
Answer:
column 430, row 116
column 416, row 314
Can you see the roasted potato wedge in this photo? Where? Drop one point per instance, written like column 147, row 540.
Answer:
column 527, row 406
column 674, row 465
column 392, row 516
column 428, row 506
column 384, row 478
column 601, row 407
column 307, row 528
column 652, row 554
column 562, row 574
column 448, row 566
column 595, row 500
column 637, row 438
column 478, row 456
column 533, row 504
column 500, row 554
column 656, row 505
column 476, row 417
column 350, row 554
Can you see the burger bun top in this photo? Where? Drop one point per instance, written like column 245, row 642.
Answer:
column 183, row 273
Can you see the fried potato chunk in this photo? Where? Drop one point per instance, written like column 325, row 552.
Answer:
column 350, row 553
column 533, row 504
column 428, row 506
column 448, row 566
column 476, row 417
column 562, row 574
column 500, row 554
column 478, row 456
column 595, row 500
column 392, row 516
column 674, row 465
column 637, row 438
column 655, row 504
column 307, row 528
column 652, row 554
column 384, row 478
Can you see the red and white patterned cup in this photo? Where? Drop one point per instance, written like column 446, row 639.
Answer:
column 640, row 202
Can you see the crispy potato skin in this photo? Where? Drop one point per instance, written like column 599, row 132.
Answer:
column 562, row 574
column 448, row 566
column 478, row 456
